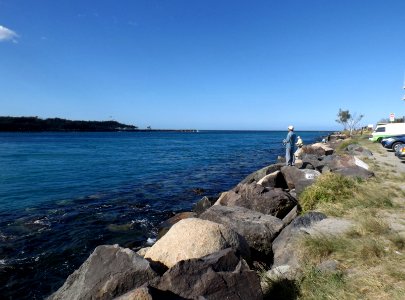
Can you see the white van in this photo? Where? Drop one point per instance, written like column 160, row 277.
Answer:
column 384, row 130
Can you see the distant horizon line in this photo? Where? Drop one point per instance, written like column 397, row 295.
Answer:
column 148, row 128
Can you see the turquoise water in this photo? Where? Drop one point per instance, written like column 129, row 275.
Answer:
column 62, row 194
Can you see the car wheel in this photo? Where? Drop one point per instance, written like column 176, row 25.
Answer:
column 396, row 146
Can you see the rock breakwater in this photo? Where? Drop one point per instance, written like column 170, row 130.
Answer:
column 213, row 252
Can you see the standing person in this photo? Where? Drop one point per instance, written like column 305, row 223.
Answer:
column 289, row 146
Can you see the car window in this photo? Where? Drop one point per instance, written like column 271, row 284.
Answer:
column 380, row 129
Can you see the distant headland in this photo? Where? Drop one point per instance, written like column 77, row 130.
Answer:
column 35, row 124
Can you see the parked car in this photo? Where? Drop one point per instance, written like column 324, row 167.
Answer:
column 400, row 152
column 393, row 142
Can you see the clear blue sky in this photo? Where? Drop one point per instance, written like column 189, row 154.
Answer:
column 203, row 64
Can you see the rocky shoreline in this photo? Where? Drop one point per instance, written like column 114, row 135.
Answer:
column 214, row 251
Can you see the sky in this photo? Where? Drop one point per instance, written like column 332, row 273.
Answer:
column 177, row 64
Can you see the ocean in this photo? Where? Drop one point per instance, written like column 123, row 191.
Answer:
column 63, row 194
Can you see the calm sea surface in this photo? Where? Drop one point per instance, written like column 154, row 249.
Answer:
column 63, row 194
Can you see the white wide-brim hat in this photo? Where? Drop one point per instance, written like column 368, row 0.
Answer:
column 290, row 127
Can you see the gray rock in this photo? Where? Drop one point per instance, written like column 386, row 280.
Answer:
column 109, row 271
column 285, row 247
column 258, row 229
column 299, row 178
column 291, row 216
column 149, row 293
column 221, row 275
column 202, row 205
column 355, row 172
column 256, row 176
column 269, row 201
column 329, row 227
column 311, row 161
column 273, row 180
column 358, row 150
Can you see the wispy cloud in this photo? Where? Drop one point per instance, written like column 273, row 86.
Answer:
column 7, row 35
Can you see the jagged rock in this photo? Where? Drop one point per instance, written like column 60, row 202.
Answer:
column 309, row 149
column 329, row 226
column 291, row 215
column 356, row 172
column 269, row 201
column 229, row 197
column 258, row 229
column 202, row 205
column 312, row 161
column 194, row 238
column 108, row 272
column 142, row 251
column 256, row 176
column 165, row 226
column 221, row 275
column 335, row 162
column 149, row 293
column 357, row 150
column 323, row 149
column 273, row 180
column 299, row 178
column 285, row 245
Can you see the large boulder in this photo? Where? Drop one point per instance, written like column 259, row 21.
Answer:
column 195, row 238
column 258, row 229
column 285, row 245
column 312, row 160
column 269, row 201
column 165, row 226
column 109, row 271
column 348, row 165
column 323, row 148
column 299, row 179
column 355, row 172
column 259, row 174
column 358, row 150
column 273, row 180
column 221, row 275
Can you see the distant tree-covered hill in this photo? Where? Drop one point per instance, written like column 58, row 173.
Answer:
column 57, row 124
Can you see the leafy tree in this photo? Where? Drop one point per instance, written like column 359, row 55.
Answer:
column 343, row 117
column 353, row 121
column 348, row 120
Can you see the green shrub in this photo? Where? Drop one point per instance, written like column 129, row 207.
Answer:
column 328, row 188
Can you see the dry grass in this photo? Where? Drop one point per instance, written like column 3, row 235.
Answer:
column 371, row 256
